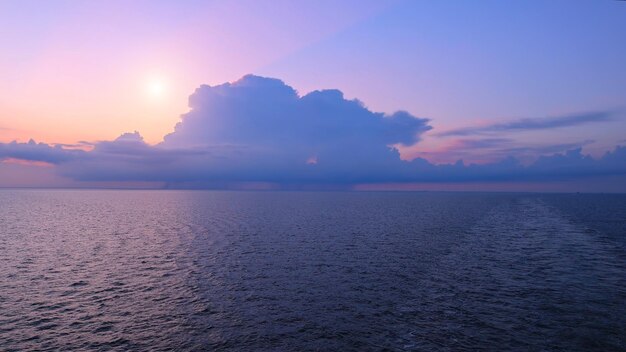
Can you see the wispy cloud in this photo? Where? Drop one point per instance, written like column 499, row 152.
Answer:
column 546, row 149
column 485, row 150
column 527, row 124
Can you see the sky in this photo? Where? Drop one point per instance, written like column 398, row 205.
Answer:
column 402, row 95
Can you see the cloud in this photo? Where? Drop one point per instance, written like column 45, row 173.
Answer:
column 264, row 111
column 545, row 148
column 260, row 130
column 34, row 151
column 487, row 150
column 482, row 143
column 527, row 124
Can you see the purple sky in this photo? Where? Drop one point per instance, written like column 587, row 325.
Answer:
column 367, row 94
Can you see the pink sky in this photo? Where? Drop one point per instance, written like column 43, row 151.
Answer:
column 89, row 71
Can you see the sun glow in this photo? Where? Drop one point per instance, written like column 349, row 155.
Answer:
column 156, row 88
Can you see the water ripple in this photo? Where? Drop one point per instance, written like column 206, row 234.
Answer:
column 263, row 271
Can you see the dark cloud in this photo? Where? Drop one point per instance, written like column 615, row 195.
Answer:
column 533, row 124
column 260, row 130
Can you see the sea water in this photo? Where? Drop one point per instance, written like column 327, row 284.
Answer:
column 311, row 271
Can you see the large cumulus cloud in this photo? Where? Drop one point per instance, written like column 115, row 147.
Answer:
column 266, row 112
column 261, row 130
column 264, row 128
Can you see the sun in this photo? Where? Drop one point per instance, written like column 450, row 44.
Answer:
column 156, row 88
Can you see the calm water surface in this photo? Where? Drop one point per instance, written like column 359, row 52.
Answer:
column 264, row 271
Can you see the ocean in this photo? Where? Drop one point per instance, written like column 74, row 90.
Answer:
column 110, row 270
